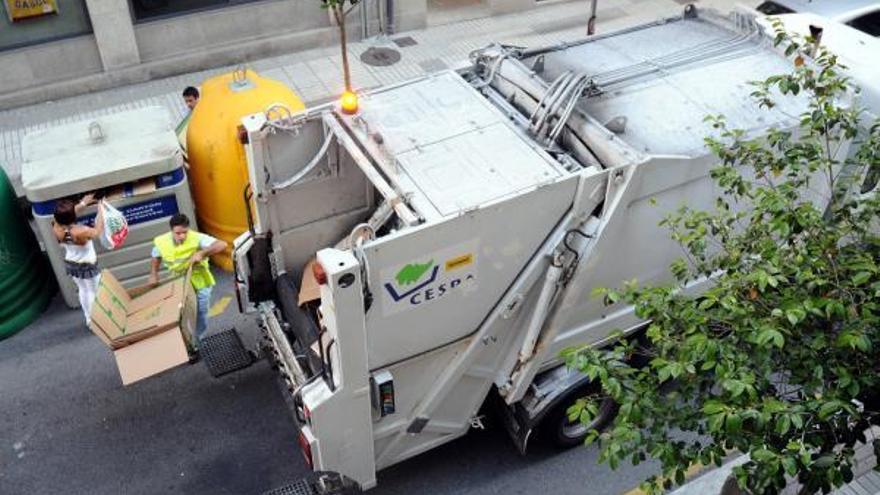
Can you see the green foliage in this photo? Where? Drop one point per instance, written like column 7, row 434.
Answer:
column 325, row 4
column 339, row 8
column 777, row 358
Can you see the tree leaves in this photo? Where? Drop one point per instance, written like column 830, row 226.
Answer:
column 861, row 278
column 783, row 424
column 774, row 358
column 735, row 387
column 795, row 315
column 771, row 336
column 829, row 408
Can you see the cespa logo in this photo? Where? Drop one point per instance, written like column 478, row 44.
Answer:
column 429, row 279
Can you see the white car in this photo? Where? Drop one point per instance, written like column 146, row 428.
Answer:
column 863, row 15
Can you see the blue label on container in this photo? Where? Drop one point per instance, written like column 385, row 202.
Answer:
column 169, row 179
column 143, row 212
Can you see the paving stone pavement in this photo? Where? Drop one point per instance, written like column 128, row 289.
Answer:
column 316, row 74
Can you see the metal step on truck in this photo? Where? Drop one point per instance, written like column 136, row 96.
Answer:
column 436, row 248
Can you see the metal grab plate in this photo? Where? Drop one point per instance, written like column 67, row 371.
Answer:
column 224, row 353
column 301, row 487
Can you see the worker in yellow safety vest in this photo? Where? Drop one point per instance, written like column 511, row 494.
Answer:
column 180, row 249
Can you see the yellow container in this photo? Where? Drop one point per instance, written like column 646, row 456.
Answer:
column 218, row 167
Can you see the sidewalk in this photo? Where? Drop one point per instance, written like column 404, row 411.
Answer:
column 711, row 483
column 866, row 480
column 316, row 74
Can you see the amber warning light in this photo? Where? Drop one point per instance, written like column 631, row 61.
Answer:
column 349, row 103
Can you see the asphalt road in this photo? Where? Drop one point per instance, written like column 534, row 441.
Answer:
column 67, row 426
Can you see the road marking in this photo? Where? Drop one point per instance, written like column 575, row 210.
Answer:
column 688, row 475
column 220, row 306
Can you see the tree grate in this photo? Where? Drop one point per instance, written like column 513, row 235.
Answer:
column 380, row 56
column 405, row 41
column 224, row 353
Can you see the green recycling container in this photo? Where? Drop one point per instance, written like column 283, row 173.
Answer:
column 26, row 285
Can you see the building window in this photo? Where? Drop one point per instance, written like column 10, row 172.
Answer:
column 144, row 10
column 30, row 22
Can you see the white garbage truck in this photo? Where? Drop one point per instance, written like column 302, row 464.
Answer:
column 434, row 249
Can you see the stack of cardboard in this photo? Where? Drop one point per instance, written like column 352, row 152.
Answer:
column 150, row 329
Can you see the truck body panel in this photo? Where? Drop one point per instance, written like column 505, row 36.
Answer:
column 461, row 222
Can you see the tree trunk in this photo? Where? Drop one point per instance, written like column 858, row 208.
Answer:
column 731, row 487
column 340, row 20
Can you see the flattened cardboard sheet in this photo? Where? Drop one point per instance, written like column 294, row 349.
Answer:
column 132, row 189
column 188, row 315
column 155, row 295
column 149, row 333
column 162, row 315
column 151, row 356
column 110, row 310
column 120, row 319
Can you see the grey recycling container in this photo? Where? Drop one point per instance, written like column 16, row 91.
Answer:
column 132, row 157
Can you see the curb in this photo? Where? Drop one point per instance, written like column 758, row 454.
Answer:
column 712, row 482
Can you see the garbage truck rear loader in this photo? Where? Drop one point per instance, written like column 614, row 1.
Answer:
column 440, row 246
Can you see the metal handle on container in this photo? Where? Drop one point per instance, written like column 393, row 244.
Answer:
column 96, row 133
column 239, row 75
column 280, row 110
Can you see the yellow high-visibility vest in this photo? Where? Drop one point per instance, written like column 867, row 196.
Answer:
column 176, row 258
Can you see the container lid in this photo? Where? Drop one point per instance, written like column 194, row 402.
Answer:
column 99, row 152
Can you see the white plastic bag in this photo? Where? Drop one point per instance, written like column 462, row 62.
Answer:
column 115, row 227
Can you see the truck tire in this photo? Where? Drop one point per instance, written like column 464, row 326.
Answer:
column 564, row 434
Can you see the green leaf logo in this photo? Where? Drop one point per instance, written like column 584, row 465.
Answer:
column 412, row 272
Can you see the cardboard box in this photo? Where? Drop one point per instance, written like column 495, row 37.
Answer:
column 149, row 329
column 131, row 189
column 309, row 289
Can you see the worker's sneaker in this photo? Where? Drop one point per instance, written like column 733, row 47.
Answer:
column 194, row 357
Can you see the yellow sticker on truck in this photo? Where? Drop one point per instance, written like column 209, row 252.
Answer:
column 459, row 261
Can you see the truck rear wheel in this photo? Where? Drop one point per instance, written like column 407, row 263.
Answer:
column 564, row 433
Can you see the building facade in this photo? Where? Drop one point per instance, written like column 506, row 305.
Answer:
column 56, row 48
